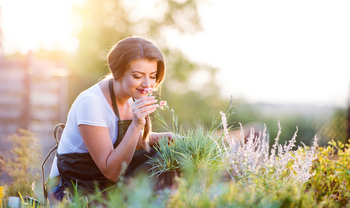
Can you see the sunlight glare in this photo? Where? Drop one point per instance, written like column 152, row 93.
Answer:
column 29, row 25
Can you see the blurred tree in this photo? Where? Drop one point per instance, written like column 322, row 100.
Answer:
column 336, row 128
column 348, row 124
column 57, row 56
column 100, row 24
column 289, row 125
column 308, row 124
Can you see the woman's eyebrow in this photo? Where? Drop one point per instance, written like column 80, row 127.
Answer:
column 143, row 72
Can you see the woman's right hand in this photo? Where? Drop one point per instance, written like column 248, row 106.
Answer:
column 143, row 107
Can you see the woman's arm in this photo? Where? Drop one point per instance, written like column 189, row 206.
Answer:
column 154, row 137
column 97, row 139
column 109, row 160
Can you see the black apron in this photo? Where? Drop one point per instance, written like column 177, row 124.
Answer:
column 80, row 169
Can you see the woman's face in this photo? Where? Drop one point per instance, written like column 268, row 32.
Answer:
column 141, row 74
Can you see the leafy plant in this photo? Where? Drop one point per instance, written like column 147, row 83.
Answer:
column 262, row 175
column 22, row 163
column 331, row 184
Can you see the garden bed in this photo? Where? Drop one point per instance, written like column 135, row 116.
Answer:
column 201, row 170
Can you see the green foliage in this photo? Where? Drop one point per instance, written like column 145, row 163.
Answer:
column 322, row 190
column 192, row 151
column 22, row 163
column 137, row 192
column 230, row 194
column 331, row 184
column 166, row 159
column 28, row 202
column 101, row 24
column 175, row 128
column 208, row 190
column 197, row 151
column 192, row 108
column 207, row 187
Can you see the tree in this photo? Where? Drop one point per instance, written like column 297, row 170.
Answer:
column 103, row 23
column 336, row 128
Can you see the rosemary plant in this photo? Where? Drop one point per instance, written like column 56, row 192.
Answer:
column 190, row 151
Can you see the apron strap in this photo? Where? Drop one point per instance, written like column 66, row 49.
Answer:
column 114, row 103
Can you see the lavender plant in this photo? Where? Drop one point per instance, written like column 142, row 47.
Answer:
column 251, row 158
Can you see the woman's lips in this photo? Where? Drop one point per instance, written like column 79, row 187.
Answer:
column 141, row 91
column 145, row 91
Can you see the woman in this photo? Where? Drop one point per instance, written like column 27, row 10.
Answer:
column 110, row 120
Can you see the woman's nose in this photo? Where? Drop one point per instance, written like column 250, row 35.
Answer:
column 146, row 82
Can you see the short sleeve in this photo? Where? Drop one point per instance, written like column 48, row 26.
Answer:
column 90, row 111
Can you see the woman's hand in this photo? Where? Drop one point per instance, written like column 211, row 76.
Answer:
column 154, row 137
column 143, row 107
column 171, row 136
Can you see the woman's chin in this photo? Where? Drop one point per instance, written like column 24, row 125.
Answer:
column 140, row 96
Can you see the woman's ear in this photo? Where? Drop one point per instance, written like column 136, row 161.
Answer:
column 118, row 79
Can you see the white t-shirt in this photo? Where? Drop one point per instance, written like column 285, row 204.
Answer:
column 90, row 108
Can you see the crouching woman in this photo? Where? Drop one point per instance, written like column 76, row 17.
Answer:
column 108, row 126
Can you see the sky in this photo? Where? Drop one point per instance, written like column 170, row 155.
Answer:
column 268, row 51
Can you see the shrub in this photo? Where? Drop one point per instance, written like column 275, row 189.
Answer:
column 22, row 163
column 331, row 183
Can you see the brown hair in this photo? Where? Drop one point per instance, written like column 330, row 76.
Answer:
column 128, row 50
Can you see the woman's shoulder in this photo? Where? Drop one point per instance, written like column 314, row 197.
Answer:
column 93, row 94
column 93, row 91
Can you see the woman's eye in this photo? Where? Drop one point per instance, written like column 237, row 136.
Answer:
column 137, row 77
column 153, row 77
